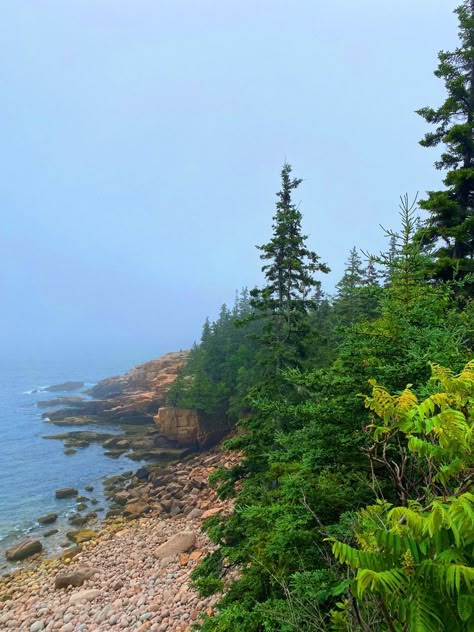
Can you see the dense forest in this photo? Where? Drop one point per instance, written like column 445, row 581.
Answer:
column 353, row 501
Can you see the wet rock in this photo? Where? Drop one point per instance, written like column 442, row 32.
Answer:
column 65, row 386
column 112, row 513
column 73, row 400
column 68, row 451
column 122, row 498
column 24, row 549
column 48, row 519
column 89, row 488
column 49, row 533
column 82, row 536
column 77, row 520
column 71, row 552
column 66, row 492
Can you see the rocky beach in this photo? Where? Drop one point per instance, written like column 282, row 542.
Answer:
column 134, row 573
column 125, row 565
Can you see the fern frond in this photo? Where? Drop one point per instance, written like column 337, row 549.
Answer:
column 451, row 579
column 387, row 582
column 422, row 612
column 360, row 559
column 412, row 520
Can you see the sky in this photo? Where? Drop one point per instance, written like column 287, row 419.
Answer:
column 142, row 143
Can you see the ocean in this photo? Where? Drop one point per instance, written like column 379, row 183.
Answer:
column 31, row 467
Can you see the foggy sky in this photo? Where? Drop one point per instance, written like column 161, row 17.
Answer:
column 141, row 145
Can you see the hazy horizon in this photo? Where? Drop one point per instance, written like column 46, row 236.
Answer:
column 142, row 146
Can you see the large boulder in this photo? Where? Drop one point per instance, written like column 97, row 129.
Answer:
column 179, row 543
column 66, row 492
column 79, row 537
column 48, row 519
column 136, row 508
column 24, row 549
column 74, row 578
column 188, row 427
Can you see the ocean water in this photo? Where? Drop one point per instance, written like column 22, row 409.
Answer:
column 31, row 467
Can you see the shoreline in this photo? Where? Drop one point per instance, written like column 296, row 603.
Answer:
column 124, row 428
column 132, row 586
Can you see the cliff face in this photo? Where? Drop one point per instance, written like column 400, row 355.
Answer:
column 188, row 428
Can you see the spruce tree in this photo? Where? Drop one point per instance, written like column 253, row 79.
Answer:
column 349, row 303
column 449, row 228
column 285, row 301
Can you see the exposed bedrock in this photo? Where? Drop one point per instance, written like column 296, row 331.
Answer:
column 189, row 428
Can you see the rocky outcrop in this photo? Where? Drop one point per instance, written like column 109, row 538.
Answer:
column 137, row 408
column 135, row 401
column 65, row 386
column 188, row 427
column 155, row 376
column 132, row 399
column 61, row 401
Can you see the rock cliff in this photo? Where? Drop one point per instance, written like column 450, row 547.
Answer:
column 188, row 427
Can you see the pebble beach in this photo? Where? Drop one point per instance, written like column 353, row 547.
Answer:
column 133, row 574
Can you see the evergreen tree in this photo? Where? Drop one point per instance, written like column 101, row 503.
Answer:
column 283, row 304
column 450, row 226
column 371, row 275
column 349, row 301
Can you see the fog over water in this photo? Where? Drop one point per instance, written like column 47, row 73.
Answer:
column 142, row 143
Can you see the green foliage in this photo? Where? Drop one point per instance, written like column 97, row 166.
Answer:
column 283, row 304
column 216, row 374
column 450, row 226
column 305, row 468
column 417, row 557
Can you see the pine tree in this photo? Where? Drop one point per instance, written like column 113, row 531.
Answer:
column 450, row 226
column 284, row 303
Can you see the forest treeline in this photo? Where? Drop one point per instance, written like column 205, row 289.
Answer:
column 354, row 501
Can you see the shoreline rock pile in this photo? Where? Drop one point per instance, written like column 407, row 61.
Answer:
column 135, row 574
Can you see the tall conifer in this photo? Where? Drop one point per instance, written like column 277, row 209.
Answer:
column 288, row 295
column 450, row 226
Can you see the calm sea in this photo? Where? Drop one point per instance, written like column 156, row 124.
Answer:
column 32, row 468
